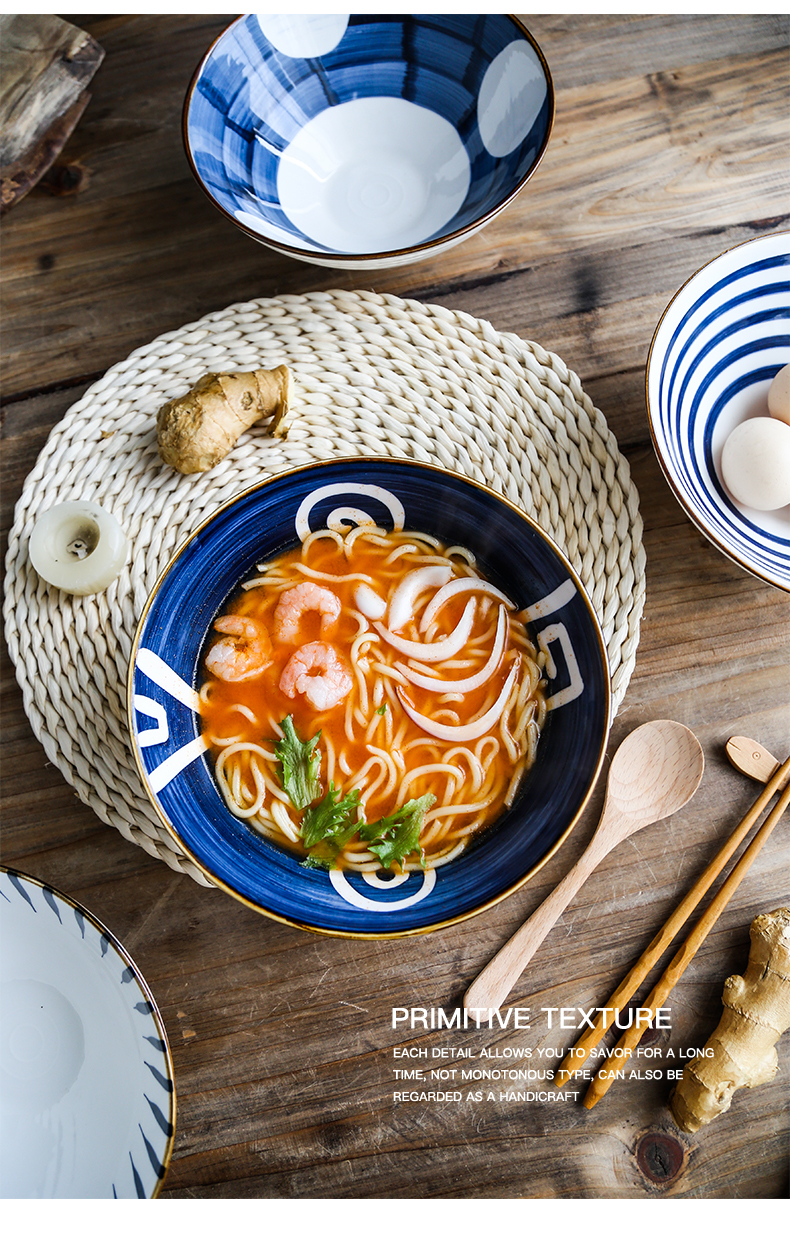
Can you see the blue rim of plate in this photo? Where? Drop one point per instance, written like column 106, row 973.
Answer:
column 150, row 1153
column 426, row 247
column 752, row 551
column 261, row 875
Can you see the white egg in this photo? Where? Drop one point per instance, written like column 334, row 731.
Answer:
column 779, row 395
column 755, row 463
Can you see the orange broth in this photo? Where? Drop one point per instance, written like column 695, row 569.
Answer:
column 270, row 705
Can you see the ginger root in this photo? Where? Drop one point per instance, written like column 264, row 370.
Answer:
column 196, row 430
column 756, row 1013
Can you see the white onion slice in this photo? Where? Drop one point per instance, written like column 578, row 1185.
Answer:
column 463, row 733
column 441, row 649
column 466, row 584
column 407, row 591
column 463, row 684
column 369, row 602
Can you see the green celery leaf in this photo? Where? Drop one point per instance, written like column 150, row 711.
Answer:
column 299, row 765
column 323, row 863
column 394, row 837
column 327, row 822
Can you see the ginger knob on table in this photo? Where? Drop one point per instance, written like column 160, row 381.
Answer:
column 196, row 430
column 741, row 1051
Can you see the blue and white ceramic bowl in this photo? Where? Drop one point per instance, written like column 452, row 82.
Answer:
column 720, row 342
column 87, row 1098
column 511, row 551
column 367, row 141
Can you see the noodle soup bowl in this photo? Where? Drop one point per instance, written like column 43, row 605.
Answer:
column 165, row 671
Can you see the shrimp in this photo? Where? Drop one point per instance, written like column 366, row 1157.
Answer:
column 296, row 602
column 317, row 672
column 244, row 653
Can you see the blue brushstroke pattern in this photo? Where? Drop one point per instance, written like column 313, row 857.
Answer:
column 160, row 1118
column 49, row 897
column 15, row 880
column 155, row 1164
column 138, row 1184
column 164, row 1082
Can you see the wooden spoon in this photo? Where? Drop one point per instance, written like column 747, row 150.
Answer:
column 654, row 773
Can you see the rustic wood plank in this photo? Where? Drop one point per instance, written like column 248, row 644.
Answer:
column 132, row 251
column 217, row 972
column 598, row 310
column 670, row 145
column 46, row 64
column 583, row 48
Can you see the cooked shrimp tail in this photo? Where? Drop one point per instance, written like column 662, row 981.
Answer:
column 245, row 651
column 298, row 601
column 319, row 674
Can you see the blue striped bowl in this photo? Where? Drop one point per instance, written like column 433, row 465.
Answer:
column 367, row 141
column 171, row 754
column 720, row 342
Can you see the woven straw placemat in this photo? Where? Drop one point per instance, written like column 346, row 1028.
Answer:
column 372, row 375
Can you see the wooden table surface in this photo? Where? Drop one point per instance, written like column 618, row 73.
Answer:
column 670, row 145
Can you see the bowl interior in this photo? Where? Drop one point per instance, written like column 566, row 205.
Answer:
column 360, row 135
column 511, row 551
column 715, row 352
column 87, row 1098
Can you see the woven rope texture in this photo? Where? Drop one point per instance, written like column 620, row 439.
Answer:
column 372, row 375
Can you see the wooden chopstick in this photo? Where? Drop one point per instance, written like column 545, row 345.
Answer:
column 660, row 942
column 628, row 1042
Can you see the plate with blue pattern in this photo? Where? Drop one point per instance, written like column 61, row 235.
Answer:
column 87, row 1099
column 512, row 552
column 364, row 141
column 719, row 344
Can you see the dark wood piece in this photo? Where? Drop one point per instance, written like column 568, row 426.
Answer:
column 670, row 145
column 45, row 64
